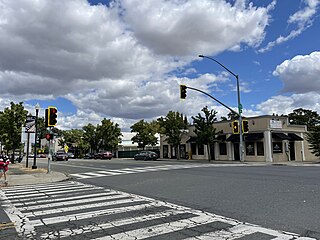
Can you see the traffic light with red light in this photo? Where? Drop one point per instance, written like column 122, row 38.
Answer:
column 245, row 126
column 49, row 136
column 52, row 116
column 183, row 91
column 235, row 127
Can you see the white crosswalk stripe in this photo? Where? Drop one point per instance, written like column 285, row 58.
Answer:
column 114, row 172
column 74, row 209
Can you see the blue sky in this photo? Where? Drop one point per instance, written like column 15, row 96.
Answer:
column 125, row 59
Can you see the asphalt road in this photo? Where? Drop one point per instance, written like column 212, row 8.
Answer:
column 284, row 198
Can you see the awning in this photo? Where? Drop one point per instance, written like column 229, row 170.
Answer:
column 221, row 137
column 295, row 137
column 253, row 136
column 234, row 138
column 192, row 140
column 281, row 136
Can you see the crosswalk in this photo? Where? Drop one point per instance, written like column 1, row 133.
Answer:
column 115, row 172
column 73, row 210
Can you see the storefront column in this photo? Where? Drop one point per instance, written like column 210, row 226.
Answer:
column 268, row 146
column 216, row 151
column 303, row 157
column 230, row 151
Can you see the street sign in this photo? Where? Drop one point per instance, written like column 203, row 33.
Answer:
column 240, row 108
column 66, row 148
column 30, row 124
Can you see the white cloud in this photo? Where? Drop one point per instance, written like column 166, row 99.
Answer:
column 180, row 27
column 114, row 62
column 286, row 104
column 303, row 20
column 300, row 74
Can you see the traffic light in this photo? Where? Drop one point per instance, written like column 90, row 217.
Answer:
column 49, row 136
column 183, row 91
column 245, row 126
column 52, row 116
column 235, row 127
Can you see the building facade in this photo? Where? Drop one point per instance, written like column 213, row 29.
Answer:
column 269, row 139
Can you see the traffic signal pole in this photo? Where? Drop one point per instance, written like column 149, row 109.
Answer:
column 198, row 90
column 239, row 106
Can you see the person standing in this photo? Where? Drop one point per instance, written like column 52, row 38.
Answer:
column 4, row 167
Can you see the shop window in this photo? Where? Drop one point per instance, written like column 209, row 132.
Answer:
column 223, row 148
column 277, row 147
column 250, row 149
column 194, row 148
column 260, row 149
column 200, row 149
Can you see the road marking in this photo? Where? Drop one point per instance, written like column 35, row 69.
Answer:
column 122, row 215
column 113, row 172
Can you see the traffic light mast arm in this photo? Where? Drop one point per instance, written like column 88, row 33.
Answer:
column 198, row 90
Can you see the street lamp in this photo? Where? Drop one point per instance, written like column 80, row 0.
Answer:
column 239, row 105
column 34, row 166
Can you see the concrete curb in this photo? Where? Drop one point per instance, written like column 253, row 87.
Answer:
column 18, row 175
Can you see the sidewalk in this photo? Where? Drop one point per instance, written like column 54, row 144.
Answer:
column 18, row 174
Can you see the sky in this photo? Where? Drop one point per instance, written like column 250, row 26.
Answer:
column 125, row 59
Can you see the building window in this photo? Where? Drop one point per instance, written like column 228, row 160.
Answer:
column 193, row 148
column 260, row 149
column 223, row 148
column 200, row 149
column 250, row 149
column 277, row 147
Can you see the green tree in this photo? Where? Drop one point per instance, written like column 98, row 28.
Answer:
column 313, row 138
column 74, row 138
column 171, row 126
column 204, row 129
column 91, row 137
column 231, row 116
column 310, row 118
column 11, row 121
column 307, row 117
column 145, row 134
column 109, row 134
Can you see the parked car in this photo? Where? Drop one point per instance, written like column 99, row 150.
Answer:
column 146, row 155
column 104, row 155
column 60, row 156
column 89, row 156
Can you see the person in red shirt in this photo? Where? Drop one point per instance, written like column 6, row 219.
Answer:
column 4, row 167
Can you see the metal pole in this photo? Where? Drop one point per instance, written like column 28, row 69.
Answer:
column 28, row 142
column 240, row 121
column 35, row 139
column 239, row 106
column 49, row 157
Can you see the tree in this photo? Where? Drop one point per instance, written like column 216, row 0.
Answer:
column 171, row 126
column 109, row 134
column 313, row 138
column 204, row 129
column 90, row 136
column 310, row 118
column 231, row 116
column 11, row 121
column 74, row 138
column 145, row 134
column 307, row 117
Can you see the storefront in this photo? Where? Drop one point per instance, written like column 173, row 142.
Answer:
column 270, row 139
